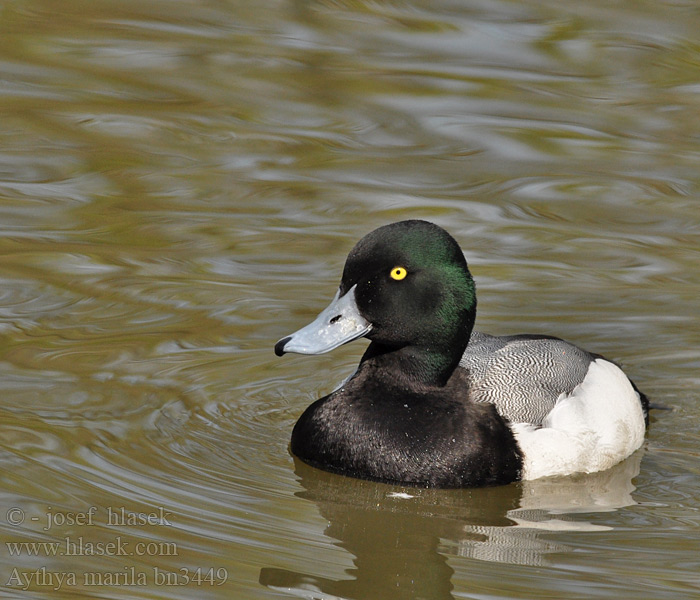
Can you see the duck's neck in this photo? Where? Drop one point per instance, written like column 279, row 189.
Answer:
column 434, row 355
column 430, row 367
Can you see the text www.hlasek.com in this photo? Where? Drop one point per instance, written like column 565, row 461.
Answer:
column 80, row 547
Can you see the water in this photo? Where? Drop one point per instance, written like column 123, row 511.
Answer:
column 179, row 185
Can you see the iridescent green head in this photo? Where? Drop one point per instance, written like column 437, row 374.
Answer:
column 406, row 287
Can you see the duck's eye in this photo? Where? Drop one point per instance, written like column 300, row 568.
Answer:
column 398, row 273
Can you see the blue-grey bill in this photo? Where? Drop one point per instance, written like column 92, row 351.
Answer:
column 339, row 323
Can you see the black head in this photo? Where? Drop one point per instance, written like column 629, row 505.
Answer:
column 406, row 287
column 414, row 287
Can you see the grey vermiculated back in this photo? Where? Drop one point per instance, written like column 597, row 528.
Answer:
column 523, row 375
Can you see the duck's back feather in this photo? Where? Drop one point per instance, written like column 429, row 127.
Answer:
column 523, row 375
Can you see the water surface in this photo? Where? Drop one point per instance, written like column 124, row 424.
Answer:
column 180, row 183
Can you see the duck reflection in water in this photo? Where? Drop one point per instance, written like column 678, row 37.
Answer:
column 404, row 540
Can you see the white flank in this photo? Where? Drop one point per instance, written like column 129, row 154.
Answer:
column 591, row 430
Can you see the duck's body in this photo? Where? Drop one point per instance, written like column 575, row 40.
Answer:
column 433, row 403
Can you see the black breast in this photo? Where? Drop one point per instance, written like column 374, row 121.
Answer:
column 385, row 431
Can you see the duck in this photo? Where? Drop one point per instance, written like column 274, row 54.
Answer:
column 434, row 403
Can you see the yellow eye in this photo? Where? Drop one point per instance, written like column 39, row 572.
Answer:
column 398, row 273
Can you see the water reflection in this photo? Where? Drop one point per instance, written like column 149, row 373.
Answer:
column 401, row 538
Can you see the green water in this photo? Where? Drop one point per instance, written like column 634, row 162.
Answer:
column 180, row 183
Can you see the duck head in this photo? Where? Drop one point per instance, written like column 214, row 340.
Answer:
column 407, row 288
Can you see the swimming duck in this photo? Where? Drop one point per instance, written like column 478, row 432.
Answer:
column 434, row 403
